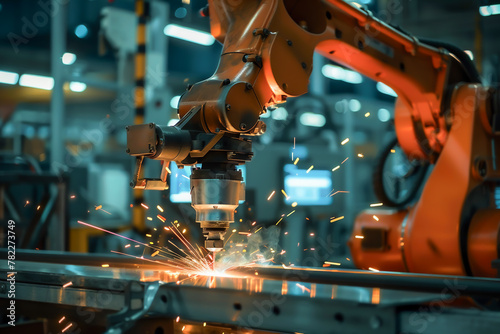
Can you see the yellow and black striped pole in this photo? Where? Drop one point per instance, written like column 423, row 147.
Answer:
column 142, row 13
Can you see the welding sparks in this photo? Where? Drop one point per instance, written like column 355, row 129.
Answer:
column 333, row 220
column 376, row 204
column 279, row 221
column 367, row 114
column 339, row 192
column 66, row 328
column 393, row 151
column 67, row 284
column 359, row 237
column 38, row 208
column 159, row 208
column 145, row 206
column 345, row 141
column 62, row 319
column 294, row 204
column 149, row 218
column 333, row 263
column 272, row 194
column 105, row 265
column 127, row 246
column 177, row 319
column 344, row 161
column 296, row 160
column 160, row 217
column 148, row 235
column 288, row 215
column 72, row 196
column 360, row 155
column 27, row 202
column 376, row 218
column 284, row 193
column 310, row 168
column 335, row 168
column 155, row 253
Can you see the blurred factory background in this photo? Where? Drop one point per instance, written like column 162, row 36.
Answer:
column 67, row 83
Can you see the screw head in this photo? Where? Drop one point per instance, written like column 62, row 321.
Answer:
column 127, row 150
column 248, row 86
column 243, row 126
column 228, row 107
column 226, row 82
column 289, row 42
column 304, row 66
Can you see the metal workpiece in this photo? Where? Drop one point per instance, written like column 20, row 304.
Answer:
column 124, row 299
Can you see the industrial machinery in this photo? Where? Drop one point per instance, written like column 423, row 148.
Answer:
column 443, row 115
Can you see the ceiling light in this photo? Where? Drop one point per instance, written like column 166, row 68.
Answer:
column 36, row 81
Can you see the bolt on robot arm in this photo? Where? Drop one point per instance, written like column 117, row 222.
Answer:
column 267, row 54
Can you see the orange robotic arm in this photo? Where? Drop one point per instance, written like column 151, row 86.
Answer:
column 267, row 54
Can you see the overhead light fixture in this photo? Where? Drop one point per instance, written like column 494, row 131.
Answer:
column 384, row 89
column 354, row 105
column 174, row 102
column 9, row 78
column 77, row 87
column 342, row 74
column 189, row 34
column 280, row 114
column 312, row 119
column 489, row 10
column 383, row 115
column 68, row 58
column 81, row 31
column 36, row 81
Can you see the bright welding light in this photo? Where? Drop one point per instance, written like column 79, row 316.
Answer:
column 174, row 102
column 384, row 89
column 489, row 10
column 68, row 58
column 36, row 81
column 339, row 73
column 77, row 87
column 189, row 34
column 9, row 78
column 312, row 119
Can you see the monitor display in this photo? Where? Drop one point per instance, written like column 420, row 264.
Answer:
column 305, row 188
column 179, row 183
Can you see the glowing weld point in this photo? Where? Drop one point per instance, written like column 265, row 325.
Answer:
column 149, row 218
column 159, row 208
column 367, row 114
column 359, row 237
column 105, row 265
column 127, row 246
column 272, row 194
column 38, row 208
column 72, row 196
column 360, row 155
column 376, row 218
column 177, row 319
column 144, row 206
column 67, row 284
column 310, row 168
column 335, row 168
column 27, row 202
column 204, row 324
column 62, row 319
column 345, row 141
column 376, row 204
column 373, row 269
column 393, row 151
column 294, row 204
